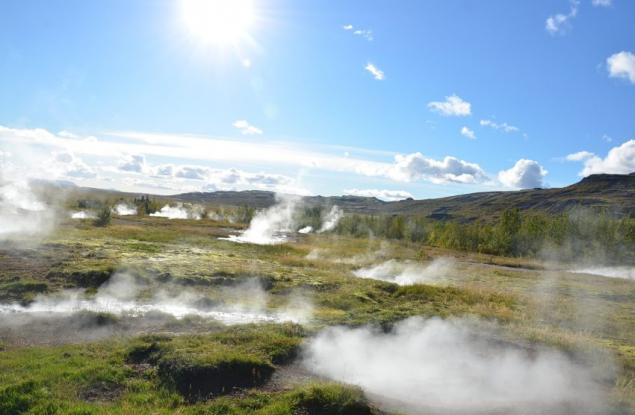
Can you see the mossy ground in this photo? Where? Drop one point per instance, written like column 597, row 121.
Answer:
column 578, row 313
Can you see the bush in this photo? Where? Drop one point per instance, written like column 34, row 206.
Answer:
column 104, row 217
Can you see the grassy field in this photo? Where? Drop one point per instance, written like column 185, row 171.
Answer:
column 100, row 362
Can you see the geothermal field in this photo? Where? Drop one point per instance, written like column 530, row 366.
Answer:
column 194, row 310
column 301, row 207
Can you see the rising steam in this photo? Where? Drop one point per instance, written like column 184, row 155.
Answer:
column 407, row 272
column 82, row 214
column 123, row 209
column 611, row 272
column 331, row 219
column 179, row 211
column 128, row 295
column 274, row 225
column 21, row 212
column 270, row 226
column 439, row 367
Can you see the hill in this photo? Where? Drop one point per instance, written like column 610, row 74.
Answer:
column 612, row 192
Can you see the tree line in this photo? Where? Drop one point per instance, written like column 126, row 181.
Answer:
column 567, row 235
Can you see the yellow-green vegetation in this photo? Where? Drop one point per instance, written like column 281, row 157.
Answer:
column 158, row 368
column 165, row 375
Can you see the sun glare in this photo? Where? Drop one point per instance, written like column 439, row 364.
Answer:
column 218, row 21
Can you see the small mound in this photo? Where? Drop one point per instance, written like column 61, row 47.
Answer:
column 201, row 366
column 200, row 377
column 101, row 391
column 332, row 399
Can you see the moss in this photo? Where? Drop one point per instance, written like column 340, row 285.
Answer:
column 332, row 399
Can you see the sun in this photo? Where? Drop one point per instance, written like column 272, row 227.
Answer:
column 218, row 21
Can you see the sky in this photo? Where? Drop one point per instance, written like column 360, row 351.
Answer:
column 391, row 99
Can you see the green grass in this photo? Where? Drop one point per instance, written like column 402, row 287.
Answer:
column 207, row 365
column 189, row 374
column 578, row 314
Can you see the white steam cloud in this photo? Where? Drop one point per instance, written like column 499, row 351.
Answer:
column 331, row 219
column 440, row 367
column 179, row 212
column 245, row 302
column 269, row 226
column 407, row 272
column 123, row 209
column 21, row 212
column 82, row 214
column 611, row 272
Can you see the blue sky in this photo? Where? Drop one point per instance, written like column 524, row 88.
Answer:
column 125, row 94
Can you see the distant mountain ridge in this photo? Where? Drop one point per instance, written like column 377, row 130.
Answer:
column 612, row 192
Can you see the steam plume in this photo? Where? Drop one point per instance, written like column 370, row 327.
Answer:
column 269, row 227
column 246, row 302
column 332, row 218
column 407, row 273
column 21, row 212
column 439, row 367
column 611, row 272
column 123, row 209
column 179, row 212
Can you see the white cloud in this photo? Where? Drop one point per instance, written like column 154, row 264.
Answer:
column 622, row 65
column 365, row 33
column 525, row 174
column 135, row 163
column 226, row 179
column 619, row 160
column 416, row 166
column 66, row 164
column 502, row 127
column 387, row 195
column 164, row 170
column 466, row 132
column 559, row 23
column 246, row 128
column 377, row 73
column 207, row 150
column 579, row 156
column 192, row 173
column 452, row 106
column 602, row 3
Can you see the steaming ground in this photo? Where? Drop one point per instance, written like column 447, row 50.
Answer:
column 179, row 211
column 408, row 272
column 123, row 209
column 611, row 272
column 270, row 226
column 438, row 367
column 129, row 296
column 196, row 284
column 274, row 225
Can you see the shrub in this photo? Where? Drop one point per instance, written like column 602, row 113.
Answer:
column 104, row 217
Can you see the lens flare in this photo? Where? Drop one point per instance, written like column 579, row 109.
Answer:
column 218, row 21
